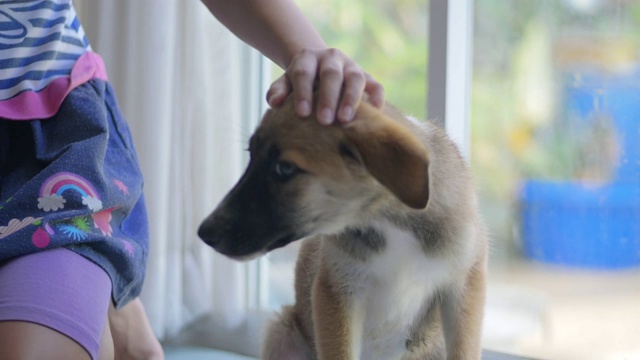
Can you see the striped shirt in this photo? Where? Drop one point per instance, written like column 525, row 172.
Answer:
column 41, row 43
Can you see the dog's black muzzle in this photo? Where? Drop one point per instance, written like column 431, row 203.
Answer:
column 232, row 238
column 247, row 224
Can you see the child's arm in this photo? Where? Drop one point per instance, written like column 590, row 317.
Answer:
column 279, row 30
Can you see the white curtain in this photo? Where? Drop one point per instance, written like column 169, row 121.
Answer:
column 190, row 92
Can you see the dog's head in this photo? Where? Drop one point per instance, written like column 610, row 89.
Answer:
column 304, row 179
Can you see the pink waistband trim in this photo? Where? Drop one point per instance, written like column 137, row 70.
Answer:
column 43, row 104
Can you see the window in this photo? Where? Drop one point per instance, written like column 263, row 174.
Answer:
column 555, row 137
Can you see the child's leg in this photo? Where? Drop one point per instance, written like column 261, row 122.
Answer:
column 133, row 338
column 26, row 340
column 106, row 344
column 53, row 305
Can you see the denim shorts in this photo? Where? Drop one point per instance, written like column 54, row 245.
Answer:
column 73, row 181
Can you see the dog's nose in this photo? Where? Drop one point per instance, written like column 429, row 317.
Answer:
column 209, row 230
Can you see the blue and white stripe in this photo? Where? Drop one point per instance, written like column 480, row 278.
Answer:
column 40, row 41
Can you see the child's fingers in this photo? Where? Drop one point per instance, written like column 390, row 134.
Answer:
column 331, row 80
column 354, row 83
column 302, row 73
column 340, row 81
column 278, row 91
column 375, row 90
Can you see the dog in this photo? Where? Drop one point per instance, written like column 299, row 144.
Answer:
column 394, row 253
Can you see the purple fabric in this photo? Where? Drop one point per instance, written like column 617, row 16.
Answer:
column 58, row 289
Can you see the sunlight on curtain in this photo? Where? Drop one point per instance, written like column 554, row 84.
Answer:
column 181, row 80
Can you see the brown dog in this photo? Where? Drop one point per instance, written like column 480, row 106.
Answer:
column 394, row 261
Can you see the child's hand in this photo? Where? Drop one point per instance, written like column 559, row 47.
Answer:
column 133, row 338
column 341, row 85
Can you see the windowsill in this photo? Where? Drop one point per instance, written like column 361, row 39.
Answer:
column 199, row 353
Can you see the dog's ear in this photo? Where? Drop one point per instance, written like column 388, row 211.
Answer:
column 392, row 154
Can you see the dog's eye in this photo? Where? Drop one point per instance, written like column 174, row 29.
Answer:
column 285, row 170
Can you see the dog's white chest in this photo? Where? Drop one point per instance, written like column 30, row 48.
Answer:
column 400, row 281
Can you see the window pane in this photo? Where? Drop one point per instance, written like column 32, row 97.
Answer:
column 387, row 38
column 556, row 152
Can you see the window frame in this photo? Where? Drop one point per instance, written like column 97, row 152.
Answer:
column 450, row 68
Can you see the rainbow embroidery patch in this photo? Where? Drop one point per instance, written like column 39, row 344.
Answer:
column 52, row 199
column 51, row 193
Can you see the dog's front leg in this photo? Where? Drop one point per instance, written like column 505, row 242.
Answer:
column 336, row 322
column 462, row 312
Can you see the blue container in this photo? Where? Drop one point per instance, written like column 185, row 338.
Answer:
column 576, row 225
column 572, row 224
column 591, row 92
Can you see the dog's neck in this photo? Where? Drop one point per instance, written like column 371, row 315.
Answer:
column 366, row 237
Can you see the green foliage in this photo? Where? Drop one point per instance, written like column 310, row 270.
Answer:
column 387, row 38
column 522, row 50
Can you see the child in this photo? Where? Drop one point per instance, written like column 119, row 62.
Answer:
column 73, row 231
